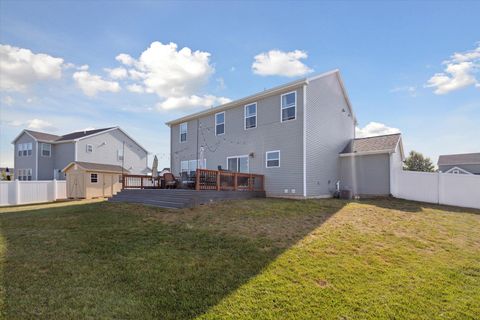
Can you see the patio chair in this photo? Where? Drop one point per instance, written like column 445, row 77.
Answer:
column 170, row 181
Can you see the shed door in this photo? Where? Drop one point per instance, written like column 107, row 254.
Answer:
column 76, row 185
column 107, row 185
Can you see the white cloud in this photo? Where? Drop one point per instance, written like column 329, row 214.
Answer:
column 136, row 88
column 374, row 129
column 20, row 68
column 117, row 73
column 169, row 72
column 7, row 100
column 411, row 90
column 33, row 124
column 191, row 102
column 91, row 84
column 459, row 72
column 280, row 63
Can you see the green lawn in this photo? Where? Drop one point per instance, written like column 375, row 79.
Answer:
column 257, row 259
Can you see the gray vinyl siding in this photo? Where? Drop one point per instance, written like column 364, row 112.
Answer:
column 367, row 175
column 105, row 148
column 27, row 162
column 64, row 154
column 45, row 164
column 472, row 168
column 269, row 135
column 329, row 128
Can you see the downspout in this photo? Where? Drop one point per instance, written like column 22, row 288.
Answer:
column 37, row 154
column 304, row 141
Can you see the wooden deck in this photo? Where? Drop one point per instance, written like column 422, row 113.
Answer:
column 181, row 198
column 212, row 180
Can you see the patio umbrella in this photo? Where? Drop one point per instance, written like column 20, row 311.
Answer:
column 155, row 167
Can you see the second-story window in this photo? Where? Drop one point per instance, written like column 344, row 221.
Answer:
column 24, row 149
column 251, row 116
column 289, row 106
column 120, row 154
column 183, row 132
column 46, row 149
column 220, row 123
column 89, row 148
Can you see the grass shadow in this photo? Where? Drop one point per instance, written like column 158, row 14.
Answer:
column 105, row 260
column 414, row 206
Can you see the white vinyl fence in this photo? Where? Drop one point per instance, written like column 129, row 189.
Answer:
column 443, row 188
column 23, row 192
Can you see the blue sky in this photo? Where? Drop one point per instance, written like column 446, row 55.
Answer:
column 397, row 60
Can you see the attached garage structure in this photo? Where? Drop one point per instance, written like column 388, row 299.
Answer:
column 367, row 165
column 93, row 180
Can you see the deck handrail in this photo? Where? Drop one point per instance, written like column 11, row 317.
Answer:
column 207, row 179
column 137, row 181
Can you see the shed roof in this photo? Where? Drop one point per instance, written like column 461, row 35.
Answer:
column 455, row 159
column 100, row 167
column 384, row 143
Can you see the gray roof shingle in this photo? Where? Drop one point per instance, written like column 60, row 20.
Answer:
column 70, row 136
column 43, row 136
column 90, row 166
column 378, row 143
column 455, row 159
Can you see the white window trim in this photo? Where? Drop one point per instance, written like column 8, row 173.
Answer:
column 240, row 156
column 41, row 150
column 281, row 107
column 89, row 146
column 224, row 125
column 120, row 152
column 245, row 116
column 180, row 132
column 266, row 158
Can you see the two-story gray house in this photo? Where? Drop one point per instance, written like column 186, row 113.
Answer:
column 466, row 163
column 42, row 156
column 293, row 134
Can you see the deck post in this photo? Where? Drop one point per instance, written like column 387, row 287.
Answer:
column 218, row 180
column 235, row 181
column 197, row 180
column 123, row 182
column 141, row 182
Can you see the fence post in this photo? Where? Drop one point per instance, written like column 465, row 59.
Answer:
column 17, row 192
column 55, row 189
column 440, row 187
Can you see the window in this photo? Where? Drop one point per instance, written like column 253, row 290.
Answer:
column 190, row 166
column 183, row 132
column 120, row 154
column 456, row 171
column 272, row 159
column 220, row 123
column 289, row 106
column 238, row 164
column 93, row 178
column 251, row 116
column 24, row 174
column 24, row 149
column 89, row 148
column 46, row 149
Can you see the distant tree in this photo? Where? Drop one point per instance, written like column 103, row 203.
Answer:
column 417, row 162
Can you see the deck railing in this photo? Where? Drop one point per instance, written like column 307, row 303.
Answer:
column 131, row 181
column 225, row 180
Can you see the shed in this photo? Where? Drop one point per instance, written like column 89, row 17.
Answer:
column 93, row 180
column 368, row 165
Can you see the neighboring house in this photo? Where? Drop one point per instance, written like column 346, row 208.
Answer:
column 368, row 165
column 292, row 134
column 466, row 163
column 42, row 156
